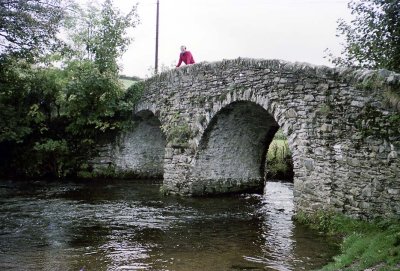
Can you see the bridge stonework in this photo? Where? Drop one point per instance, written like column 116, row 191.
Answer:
column 219, row 118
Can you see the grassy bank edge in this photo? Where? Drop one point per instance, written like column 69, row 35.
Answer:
column 365, row 245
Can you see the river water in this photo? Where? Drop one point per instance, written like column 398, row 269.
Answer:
column 129, row 225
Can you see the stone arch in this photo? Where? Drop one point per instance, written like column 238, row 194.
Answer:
column 231, row 154
column 147, row 145
column 138, row 151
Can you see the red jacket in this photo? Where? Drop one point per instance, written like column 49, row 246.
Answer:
column 186, row 57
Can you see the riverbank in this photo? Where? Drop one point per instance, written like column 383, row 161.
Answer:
column 365, row 245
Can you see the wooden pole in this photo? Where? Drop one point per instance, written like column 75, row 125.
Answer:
column 157, row 23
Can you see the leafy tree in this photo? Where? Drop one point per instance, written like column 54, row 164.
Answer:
column 91, row 98
column 51, row 118
column 101, row 35
column 29, row 102
column 94, row 93
column 372, row 38
column 30, row 26
column 110, row 41
column 14, row 125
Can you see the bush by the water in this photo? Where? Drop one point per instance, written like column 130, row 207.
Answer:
column 279, row 164
column 51, row 118
column 365, row 245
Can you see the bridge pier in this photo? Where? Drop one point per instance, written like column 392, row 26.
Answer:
column 177, row 164
column 136, row 153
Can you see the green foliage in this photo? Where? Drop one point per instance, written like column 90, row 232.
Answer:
column 279, row 159
column 325, row 109
column 109, row 40
column 51, row 156
column 99, row 34
column 365, row 244
column 395, row 120
column 178, row 134
column 372, row 38
column 321, row 220
column 13, row 100
column 128, row 101
column 92, row 98
column 29, row 27
column 279, row 135
column 370, row 246
column 133, row 94
column 373, row 122
column 50, row 118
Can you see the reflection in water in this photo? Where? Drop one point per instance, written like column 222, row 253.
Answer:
column 277, row 227
column 128, row 225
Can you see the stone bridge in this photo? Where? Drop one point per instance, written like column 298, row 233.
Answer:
column 206, row 129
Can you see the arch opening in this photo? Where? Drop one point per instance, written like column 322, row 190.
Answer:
column 137, row 152
column 279, row 162
column 145, row 146
column 232, row 152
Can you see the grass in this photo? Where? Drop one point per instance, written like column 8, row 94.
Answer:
column 127, row 83
column 373, row 245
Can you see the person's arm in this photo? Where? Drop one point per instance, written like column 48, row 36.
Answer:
column 180, row 60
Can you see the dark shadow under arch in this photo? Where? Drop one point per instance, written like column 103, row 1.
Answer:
column 232, row 151
column 136, row 152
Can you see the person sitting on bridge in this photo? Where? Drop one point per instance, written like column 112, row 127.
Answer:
column 185, row 56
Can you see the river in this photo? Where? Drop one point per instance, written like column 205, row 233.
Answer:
column 129, row 225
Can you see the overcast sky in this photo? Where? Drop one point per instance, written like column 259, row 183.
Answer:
column 292, row 30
